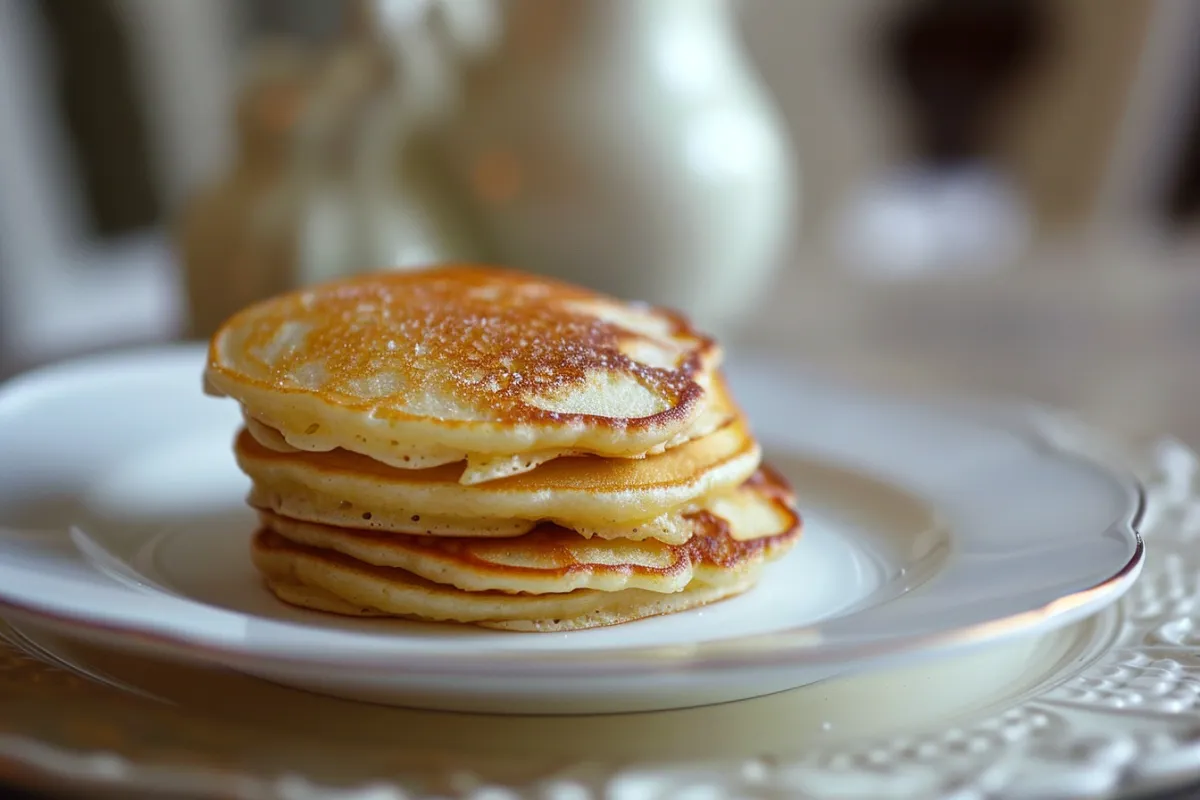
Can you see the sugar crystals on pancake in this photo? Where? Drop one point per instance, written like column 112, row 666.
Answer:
column 464, row 363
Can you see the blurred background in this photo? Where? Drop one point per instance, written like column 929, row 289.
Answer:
column 980, row 195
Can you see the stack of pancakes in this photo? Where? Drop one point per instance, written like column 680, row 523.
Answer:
column 476, row 445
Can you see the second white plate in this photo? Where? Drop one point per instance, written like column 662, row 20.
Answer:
column 928, row 529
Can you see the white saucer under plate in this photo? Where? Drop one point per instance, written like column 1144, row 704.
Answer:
column 930, row 529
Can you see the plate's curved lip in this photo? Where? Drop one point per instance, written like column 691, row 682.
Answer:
column 795, row 647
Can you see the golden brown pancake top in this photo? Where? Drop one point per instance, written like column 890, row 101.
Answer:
column 487, row 337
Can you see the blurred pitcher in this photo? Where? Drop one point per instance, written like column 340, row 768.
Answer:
column 628, row 145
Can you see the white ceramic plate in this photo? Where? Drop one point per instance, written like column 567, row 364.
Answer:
column 929, row 529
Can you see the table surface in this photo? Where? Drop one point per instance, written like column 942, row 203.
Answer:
column 1108, row 329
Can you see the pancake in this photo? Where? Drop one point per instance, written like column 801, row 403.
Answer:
column 755, row 524
column 301, row 504
column 588, row 494
column 718, row 410
column 476, row 445
column 463, row 363
column 325, row 581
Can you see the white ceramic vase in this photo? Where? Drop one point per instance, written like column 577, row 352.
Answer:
column 627, row 145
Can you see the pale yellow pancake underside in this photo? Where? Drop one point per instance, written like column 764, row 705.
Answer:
column 717, row 409
column 326, row 582
column 594, row 496
column 753, row 524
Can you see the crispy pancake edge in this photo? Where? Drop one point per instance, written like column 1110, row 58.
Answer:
column 450, row 561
